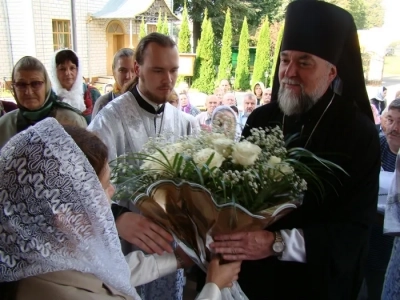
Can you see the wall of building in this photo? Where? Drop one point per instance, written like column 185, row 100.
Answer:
column 21, row 33
column 5, row 42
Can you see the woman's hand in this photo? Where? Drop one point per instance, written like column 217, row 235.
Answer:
column 223, row 274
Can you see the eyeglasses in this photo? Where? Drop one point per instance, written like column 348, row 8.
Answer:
column 22, row 86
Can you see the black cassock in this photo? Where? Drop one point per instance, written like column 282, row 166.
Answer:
column 336, row 226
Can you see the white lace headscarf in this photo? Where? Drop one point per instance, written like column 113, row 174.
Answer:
column 54, row 213
column 74, row 96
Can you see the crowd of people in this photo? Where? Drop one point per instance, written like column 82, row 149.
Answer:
column 61, row 236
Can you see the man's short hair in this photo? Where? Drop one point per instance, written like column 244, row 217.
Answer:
column 154, row 37
column 251, row 96
column 395, row 104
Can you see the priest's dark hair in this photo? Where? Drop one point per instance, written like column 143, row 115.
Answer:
column 67, row 55
column 154, row 37
column 329, row 32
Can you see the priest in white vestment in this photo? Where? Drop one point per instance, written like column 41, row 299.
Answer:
column 125, row 125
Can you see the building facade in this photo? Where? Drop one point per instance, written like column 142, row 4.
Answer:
column 101, row 27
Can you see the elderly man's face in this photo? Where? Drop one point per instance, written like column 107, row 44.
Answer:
column 304, row 78
column 249, row 104
column 393, row 129
column 211, row 103
column 229, row 99
column 266, row 96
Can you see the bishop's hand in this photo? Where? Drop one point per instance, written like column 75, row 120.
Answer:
column 143, row 233
column 253, row 245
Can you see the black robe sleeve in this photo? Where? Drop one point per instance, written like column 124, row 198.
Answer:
column 336, row 228
column 118, row 210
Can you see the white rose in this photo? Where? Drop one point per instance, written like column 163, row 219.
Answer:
column 223, row 146
column 202, row 156
column 274, row 160
column 245, row 153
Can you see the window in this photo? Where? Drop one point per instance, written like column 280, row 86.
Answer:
column 151, row 28
column 61, row 34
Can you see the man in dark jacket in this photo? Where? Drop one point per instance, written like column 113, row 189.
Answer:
column 318, row 250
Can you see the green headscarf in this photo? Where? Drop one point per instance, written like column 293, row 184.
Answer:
column 27, row 117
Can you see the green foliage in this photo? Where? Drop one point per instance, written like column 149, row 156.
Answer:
column 254, row 10
column 165, row 25
column 205, row 81
column 358, row 10
column 367, row 13
column 160, row 22
column 262, row 61
column 375, row 13
column 199, row 49
column 142, row 32
column 184, row 33
column 242, row 81
column 225, row 64
column 276, row 54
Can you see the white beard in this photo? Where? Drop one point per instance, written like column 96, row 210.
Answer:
column 291, row 104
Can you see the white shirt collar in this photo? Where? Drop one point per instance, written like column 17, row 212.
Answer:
column 156, row 106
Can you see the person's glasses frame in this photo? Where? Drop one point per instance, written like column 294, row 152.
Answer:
column 22, row 86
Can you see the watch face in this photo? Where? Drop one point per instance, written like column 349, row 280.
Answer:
column 278, row 247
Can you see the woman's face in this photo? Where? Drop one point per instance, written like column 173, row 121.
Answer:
column 258, row 90
column 183, row 100
column 30, row 89
column 66, row 74
column 104, row 178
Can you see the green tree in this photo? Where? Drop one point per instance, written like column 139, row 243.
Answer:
column 142, row 32
column 198, row 59
column 358, row 10
column 262, row 61
column 254, row 10
column 205, row 81
column 376, row 13
column 165, row 25
column 225, row 64
column 160, row 22
column 184, row 33
column 276, row 54
column 184, row 37
column 242, row 81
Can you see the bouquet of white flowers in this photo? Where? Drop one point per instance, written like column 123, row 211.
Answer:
column 209, row 184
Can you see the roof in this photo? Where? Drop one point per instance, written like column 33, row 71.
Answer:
column 129, row 9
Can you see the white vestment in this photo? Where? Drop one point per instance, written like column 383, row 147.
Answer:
column 124, row 126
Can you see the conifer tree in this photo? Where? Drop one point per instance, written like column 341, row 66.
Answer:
column 242, row 80
column 184, row 45
column 262, row 61
column 225, row 64
column 276, row 54
column 160, row 22
column 165, row 25
column 142, row 32
column 205, row 82
column 197, row 61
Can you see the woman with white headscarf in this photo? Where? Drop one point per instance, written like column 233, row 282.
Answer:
column 58, row 238
column 379, row 101
column 67, row 82
column 224, row 120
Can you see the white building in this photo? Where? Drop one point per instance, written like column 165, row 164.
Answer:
column 94, row 29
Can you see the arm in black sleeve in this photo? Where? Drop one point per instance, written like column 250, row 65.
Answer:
column 118, row 210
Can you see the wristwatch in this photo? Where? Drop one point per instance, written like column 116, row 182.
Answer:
column 279, row 245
